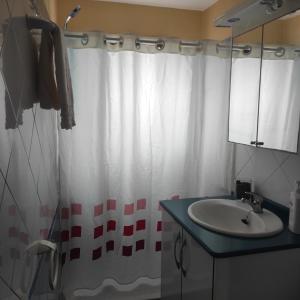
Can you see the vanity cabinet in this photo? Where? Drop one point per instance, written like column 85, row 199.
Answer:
column 186, row 266
column 190, row 272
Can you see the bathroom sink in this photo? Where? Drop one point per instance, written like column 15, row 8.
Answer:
column 234, row 217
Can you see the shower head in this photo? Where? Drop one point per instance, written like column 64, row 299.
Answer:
column 72, row 15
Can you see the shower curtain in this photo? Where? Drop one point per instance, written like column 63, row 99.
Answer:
column 149, row 127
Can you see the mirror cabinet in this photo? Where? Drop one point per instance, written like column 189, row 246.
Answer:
column 265, row 86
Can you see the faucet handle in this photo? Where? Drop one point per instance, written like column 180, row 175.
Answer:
column 256, row 201
column 255, row 197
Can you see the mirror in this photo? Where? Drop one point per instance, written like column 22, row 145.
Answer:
column 244, row 88
column 279, row 107
column 265, row 89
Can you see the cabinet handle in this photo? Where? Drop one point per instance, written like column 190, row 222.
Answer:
column 257, row 143
column 181, row 258
column 177, row 262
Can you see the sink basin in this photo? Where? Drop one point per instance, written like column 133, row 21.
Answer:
column 230, row 217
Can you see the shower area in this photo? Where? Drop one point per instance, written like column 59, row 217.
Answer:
column 145, row 120
column 81, row 182
column 149, row 126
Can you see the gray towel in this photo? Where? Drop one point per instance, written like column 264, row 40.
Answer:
column 29, row 79
column 63, row 80
column 55, row 90
column 47, row 89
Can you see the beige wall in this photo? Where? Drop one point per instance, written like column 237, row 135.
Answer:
column 124, row 18
column 291, row 31
column 51, row 6
column 145, row 20
column 155, row 21
column 285, row 31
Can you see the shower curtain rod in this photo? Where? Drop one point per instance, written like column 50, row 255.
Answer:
column 247, row 49
column 158, row 43
column 84, row 37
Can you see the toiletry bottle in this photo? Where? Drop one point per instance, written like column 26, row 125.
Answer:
column 294, row 220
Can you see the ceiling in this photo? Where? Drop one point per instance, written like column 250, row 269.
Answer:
column 292, row 15
column 180, row 4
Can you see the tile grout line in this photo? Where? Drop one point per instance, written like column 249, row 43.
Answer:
column 273, row 172
column 9, row 287
column 16, row 203
column 4, row 178
column 245, row 164
column 282, row 169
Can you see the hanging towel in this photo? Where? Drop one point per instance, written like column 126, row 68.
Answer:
column 63, row 80
column 30, row 79
column 47, row 89
column 55, row 87
column 19, row 70
column 54, row 80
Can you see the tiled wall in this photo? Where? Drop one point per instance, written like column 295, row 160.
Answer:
column 28, row 163
column 274, row 173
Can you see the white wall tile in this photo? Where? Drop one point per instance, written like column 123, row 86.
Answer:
column 273, row 172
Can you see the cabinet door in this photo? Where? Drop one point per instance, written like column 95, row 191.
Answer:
column 171, row 272
column 244, row 88
column 197, row 270
column 265, row 276
column 279, row 106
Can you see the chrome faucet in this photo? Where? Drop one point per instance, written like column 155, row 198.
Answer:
column 255, row 202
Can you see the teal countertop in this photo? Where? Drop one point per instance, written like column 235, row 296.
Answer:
column 220, row 245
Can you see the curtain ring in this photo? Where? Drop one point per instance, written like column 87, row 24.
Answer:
column 137, row 44
column 113, row 41
column 84, row 39
column 160, row 45
column 247, row 50
column 280, row 51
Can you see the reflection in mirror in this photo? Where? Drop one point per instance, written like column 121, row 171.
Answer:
column 244, row 90
column 279, row 110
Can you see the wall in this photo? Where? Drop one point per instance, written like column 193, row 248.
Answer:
column 274, row 173
column 154, row 21
column 123, row 18
column 28, row 170
column 51, row 6
column 145, row 20
column 291, row 30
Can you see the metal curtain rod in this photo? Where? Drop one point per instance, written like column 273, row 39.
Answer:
column 191, row 44
column 84, row 37
column 245, row 49
column 159, row 43
column 279, row 51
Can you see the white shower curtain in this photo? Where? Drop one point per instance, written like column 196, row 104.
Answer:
column 149, row 127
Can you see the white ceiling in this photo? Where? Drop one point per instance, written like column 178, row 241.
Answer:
column 292, row 15
column 181, row 4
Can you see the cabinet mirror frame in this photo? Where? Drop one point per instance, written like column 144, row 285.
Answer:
column 294, row 149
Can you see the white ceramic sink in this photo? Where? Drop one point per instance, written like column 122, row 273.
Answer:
column 225, row 216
